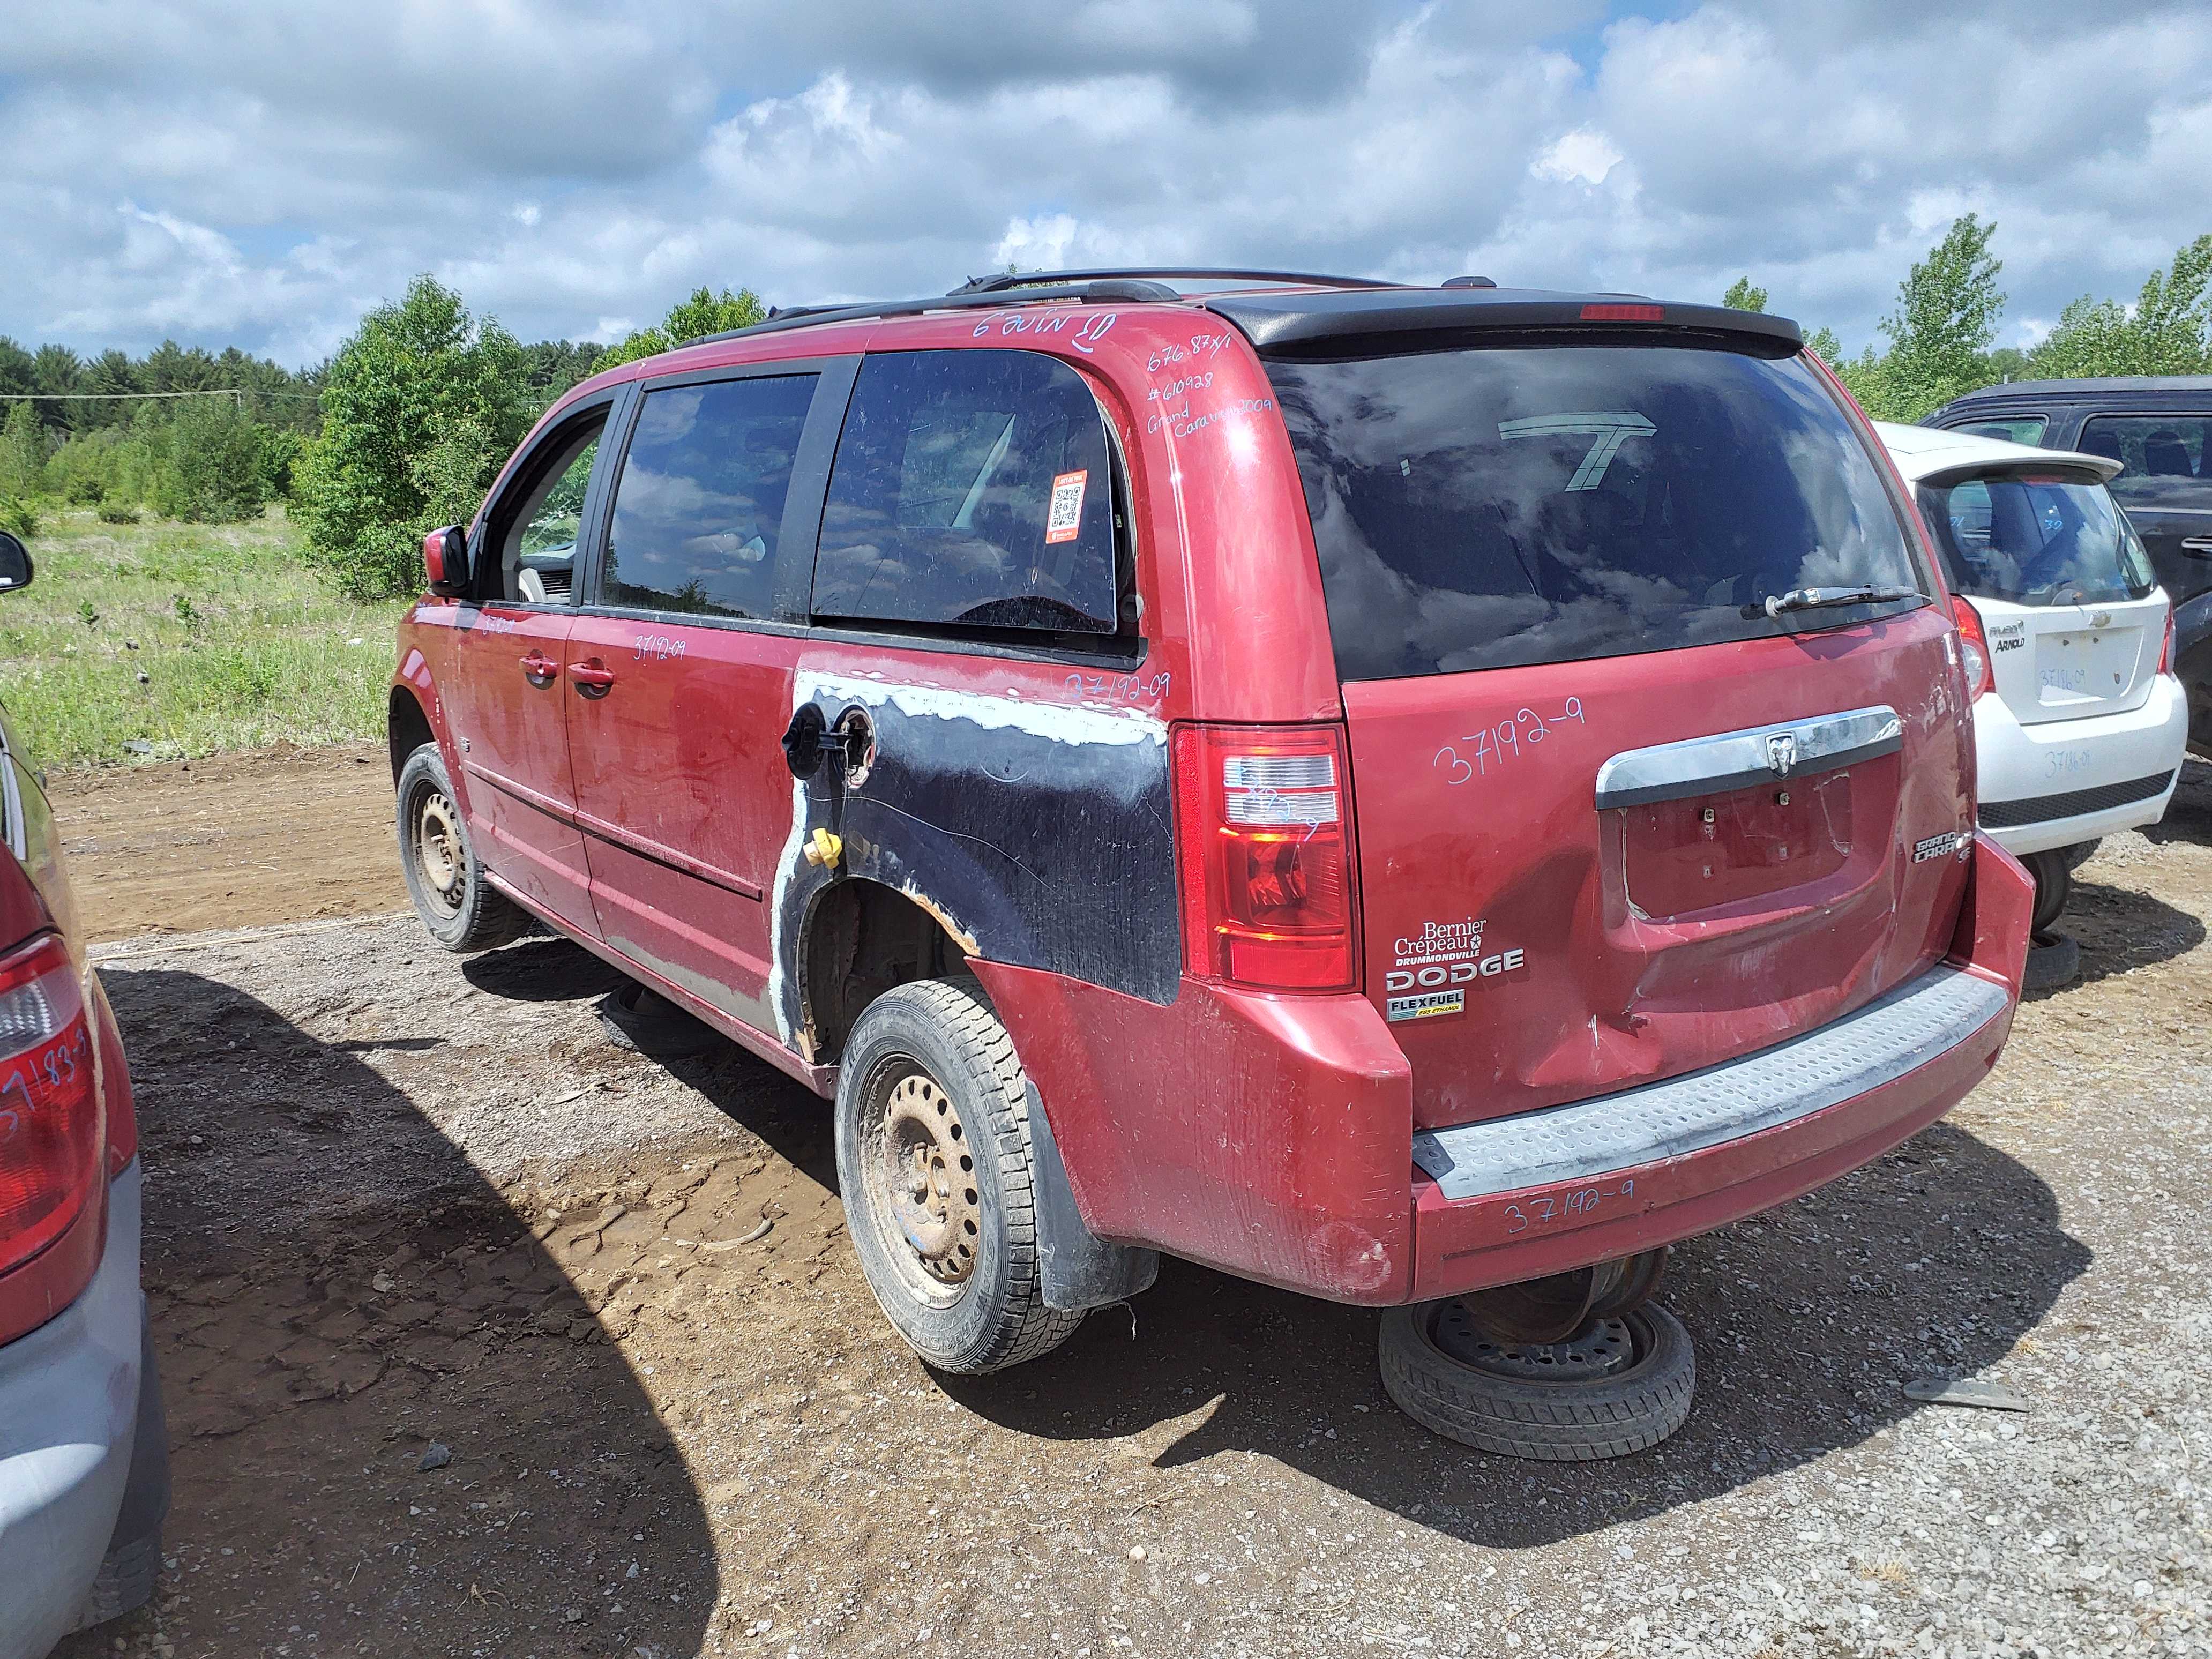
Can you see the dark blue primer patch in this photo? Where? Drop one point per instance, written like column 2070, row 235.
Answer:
column 1034, row 846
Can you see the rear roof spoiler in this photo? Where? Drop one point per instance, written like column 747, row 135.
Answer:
column 1405, row 318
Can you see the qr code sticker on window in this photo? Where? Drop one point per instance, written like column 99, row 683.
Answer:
column 1065, row 516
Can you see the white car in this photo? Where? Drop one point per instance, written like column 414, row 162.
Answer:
column 2079, row 722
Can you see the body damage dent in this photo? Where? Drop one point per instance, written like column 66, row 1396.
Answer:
column 1036, row 834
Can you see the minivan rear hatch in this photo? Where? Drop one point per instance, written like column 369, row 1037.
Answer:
column 2068, row 599
column 1655, row 724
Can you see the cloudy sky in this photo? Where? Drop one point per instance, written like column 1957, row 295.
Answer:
column 241, row 171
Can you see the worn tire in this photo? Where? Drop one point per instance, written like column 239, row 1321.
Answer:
column 997, row 1317
column 125, row 1580
column 2054, row 887
column 471, row 914
column 2053, row 960
column 1552, row 1422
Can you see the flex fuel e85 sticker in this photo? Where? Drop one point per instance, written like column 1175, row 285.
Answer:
column 1431, row 969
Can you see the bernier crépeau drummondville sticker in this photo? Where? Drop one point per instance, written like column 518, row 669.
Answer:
column 1443, row 955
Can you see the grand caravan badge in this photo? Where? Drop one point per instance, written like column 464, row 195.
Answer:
column 1430, row 965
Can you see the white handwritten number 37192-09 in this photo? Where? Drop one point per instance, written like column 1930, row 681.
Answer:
column 1508, row 740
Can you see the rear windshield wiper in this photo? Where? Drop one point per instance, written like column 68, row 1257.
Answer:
column 1822, row 598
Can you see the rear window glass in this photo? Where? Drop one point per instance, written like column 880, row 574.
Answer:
column 2050, row 538
column 700, row 503
column 2166, row 455
column 970, row 487
column 1523, row 504
column 2019, row 429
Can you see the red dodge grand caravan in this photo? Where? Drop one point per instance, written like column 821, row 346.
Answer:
column 1388, row 792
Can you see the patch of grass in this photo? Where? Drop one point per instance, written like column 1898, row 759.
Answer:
column 240, row 644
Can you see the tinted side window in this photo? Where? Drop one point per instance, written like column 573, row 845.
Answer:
column 700, row 503
column 2015, row 429
column 2166, row 456
column 970, row 486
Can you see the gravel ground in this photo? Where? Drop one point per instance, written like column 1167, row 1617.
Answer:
column 397, row 1199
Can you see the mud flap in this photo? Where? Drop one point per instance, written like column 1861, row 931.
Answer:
column 1078, row 1268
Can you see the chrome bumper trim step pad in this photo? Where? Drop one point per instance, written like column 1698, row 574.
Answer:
column 1891, row 1035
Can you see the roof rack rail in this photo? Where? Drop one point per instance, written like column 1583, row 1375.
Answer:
column 1039, row 287
column 1005, row 279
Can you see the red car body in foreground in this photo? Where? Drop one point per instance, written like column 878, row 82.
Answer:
column 84, row 1453
column 1360, row 926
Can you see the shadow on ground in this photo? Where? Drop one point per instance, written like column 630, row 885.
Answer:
column 2120, row 930
column 2189, row 814
column 333, row 1287
column 1806, row 1321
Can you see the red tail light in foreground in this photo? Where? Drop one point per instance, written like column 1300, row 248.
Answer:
column 1974, row 647
column 50, row 1129
column 2165, row 645
column 1263, row 823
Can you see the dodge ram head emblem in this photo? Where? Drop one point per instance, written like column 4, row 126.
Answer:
column 1781, row 753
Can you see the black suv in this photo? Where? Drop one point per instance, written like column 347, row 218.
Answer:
column 2160, row 429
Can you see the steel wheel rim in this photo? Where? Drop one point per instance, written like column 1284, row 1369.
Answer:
column 440, row 857
column 918, row 1165
column 1603, row 1348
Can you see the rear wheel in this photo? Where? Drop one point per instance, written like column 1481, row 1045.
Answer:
column 445, row 878
column 934, row 1161
column 2054, row 885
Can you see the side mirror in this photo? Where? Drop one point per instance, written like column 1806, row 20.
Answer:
column 15, row 564
column 445, row 560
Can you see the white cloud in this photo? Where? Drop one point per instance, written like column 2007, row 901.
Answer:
column 571, row 169
column 1581, row 156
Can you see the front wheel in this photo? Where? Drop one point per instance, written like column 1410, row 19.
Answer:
column 445, row 878
column 935, row 1165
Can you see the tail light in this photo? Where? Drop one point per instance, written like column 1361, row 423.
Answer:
column 2165, row 645
column 1263, row 823
column 1974, row 648
column 50, row 1130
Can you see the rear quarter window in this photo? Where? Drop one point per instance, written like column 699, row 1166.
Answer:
column 970, row 489
column 2166, row 456
column 2013, row 430
column 1483, row 508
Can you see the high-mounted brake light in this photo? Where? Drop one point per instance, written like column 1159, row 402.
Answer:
column 1624, row 314
column 1262, row 820
column 50, row 1127
column 1974, row 647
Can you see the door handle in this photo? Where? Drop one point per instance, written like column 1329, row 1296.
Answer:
column 539, row 669
column 2198, row 547
column 593, row 678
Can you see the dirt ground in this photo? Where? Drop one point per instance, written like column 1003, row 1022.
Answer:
column 398, row 1200
column 235, row 841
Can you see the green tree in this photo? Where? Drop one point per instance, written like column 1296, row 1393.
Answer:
column 2168, row 330
column 1742, row 296
column 214, row 471
column 702, row 311
column 57, row 372
column 421, row 406
column 22, row 451
column 1947, row 314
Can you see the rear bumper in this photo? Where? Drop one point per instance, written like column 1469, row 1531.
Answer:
column 2054, row 783
column 1516, row 1198
column 1272, row 1137
column 69, row 1412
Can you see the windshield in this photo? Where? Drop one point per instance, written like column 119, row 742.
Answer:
column 2041, row 537
column 1516, row 504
